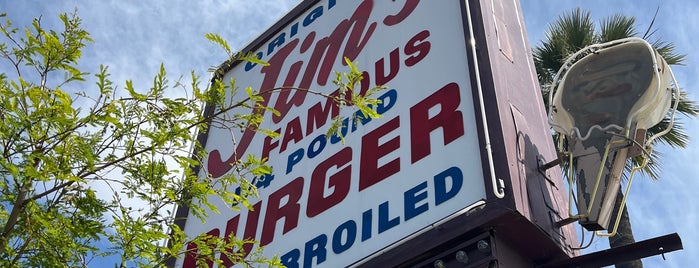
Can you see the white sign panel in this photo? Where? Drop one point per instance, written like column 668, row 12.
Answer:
column 329, row 204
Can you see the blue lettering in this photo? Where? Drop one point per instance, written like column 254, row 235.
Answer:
column 294, row 30
column 442, row 194
column 315, row 248
column 412, row 197
column 384, row 223
column 281, row 38
column 349, row 227
column 322, row 141
column 388, row 99
column 335, row 138
column 359, row 118
column 318, row 144
column 277, row 42
column 291, row 258
column 447, row 185
column 294, row 159
column 366, row 225
column 311, row 17
column 263, row 181
column 250, row 65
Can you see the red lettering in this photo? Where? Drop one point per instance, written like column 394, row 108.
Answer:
column 276, row 63
column 357, row 30
column 340, row 182
column 417, row 47
column 372, row 150
column 268, row 145
column 308, row 41
column 231, row 228
column 249, row 234
column 330, row 181
column 284, row 104
column 289, row 211
column 328, row 48
column 251, row 226
column 318, row 116
column 365, row 83
column 358, row 38
column 292, row 132
column 218, row 167
column 276, row 43
column 407, row 9
column 448, row 118
column 190, row 260
column 394, row 65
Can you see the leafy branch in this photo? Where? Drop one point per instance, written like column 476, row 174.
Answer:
column 74, row 176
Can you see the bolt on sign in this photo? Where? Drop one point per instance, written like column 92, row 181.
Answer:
column 329, row 203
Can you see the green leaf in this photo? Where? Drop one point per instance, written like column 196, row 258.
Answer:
column 216, row 39
column 61, row 141
column 269, row 133
column 253, row 58
column 133, row 93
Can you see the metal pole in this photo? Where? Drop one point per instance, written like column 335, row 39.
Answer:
column 635, row 251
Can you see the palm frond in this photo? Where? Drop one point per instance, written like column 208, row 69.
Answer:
column 617, row 27
column 652, row 169
column 650, row 30
column 568, row 34
column 676, row 138
column 668, row 52
column 548, row 58
column 576, row 29
column 686, row 106
column 666, row 49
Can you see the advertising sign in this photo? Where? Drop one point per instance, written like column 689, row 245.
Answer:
column 332, row 204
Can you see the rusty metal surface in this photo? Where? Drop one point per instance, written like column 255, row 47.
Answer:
column 515, row 97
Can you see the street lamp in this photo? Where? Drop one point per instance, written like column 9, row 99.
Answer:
column 604, row 99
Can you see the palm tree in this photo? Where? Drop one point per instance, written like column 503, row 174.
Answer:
column 576, row 30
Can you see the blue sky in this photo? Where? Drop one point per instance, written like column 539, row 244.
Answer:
column 134, row 37
column 670, row 204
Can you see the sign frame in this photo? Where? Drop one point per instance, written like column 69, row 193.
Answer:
column 500, row 200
